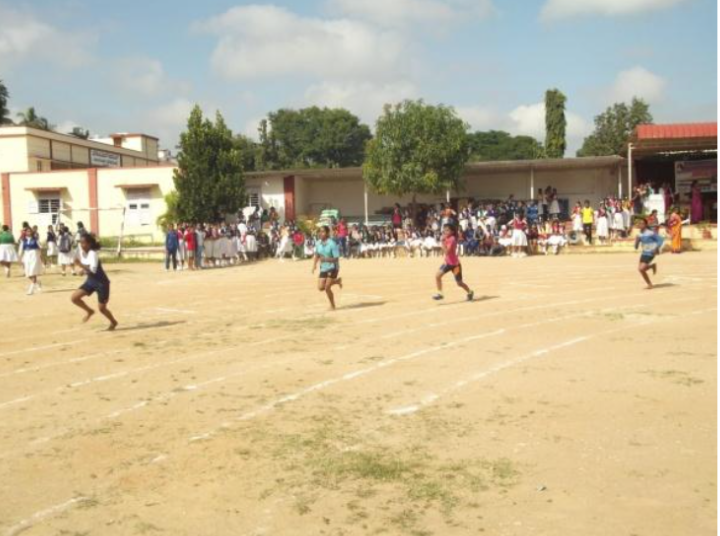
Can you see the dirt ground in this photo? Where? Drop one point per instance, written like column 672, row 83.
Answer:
column 565, row 400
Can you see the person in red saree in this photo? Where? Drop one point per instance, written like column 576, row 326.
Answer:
column 674, row 225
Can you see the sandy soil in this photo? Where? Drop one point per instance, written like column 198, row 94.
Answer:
column 565, row 400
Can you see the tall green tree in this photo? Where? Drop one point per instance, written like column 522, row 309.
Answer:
column 267, row 152
column 248, row 152
column 312, row 137
column 614, row 127
column 417, row 149
column 555, row 124
column 4, row 112
column 497, row 145
column 30, row 118
column 209, row 178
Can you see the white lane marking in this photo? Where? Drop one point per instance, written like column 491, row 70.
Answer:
column 27, row 523
column 499, row 367
column 346, row 377
column 39, row 348
column 171, row 310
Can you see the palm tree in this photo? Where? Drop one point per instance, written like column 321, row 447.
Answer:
column 4, row 96
column 29, row 118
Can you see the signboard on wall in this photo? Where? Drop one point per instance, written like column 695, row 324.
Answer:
column 103, row 159
column 702, row 171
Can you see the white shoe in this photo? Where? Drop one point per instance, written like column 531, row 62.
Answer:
column 31, row 289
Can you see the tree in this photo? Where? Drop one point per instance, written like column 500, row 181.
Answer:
column 171, row 210
column 555, row 123
column 614, row 127
column 4, row 112
column 417, row 149
column 80, row 132
column 248, row 152
column 209, row 178
column 29, row 118
column 312, row 137
column 498, row 145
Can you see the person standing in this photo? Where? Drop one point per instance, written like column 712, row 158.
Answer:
column 51, row 251
column 588, row 218
column 696, row 206
column 32, row 262
column 171, row 248
column 199, row 246
column 451, row 264
column 327, row 254
column 66, row 255
column 342, row 237
column 97, row 281
column 8, row 255
column 190, row 246
column 674, row 226
column 602, row 227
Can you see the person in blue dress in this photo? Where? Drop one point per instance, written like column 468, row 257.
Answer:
column 97, row 281
column 31, row 259
column 327, row 254
column 650, row 242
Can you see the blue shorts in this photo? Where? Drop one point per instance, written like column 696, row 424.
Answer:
column 455, row 269
column 647, row 259
column 92, row 286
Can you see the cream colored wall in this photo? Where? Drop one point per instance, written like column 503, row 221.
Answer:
column 75, row 196
column 272, row 192
column 111, row 200
column 13, row 154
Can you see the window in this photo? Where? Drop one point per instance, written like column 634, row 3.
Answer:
column 253, row 197
column 48, row 211
column 138, row 207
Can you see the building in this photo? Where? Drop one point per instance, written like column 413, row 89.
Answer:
column 677, row 154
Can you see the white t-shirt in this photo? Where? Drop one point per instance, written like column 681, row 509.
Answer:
column 90, row 260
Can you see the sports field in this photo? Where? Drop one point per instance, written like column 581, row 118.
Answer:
column 565, row 400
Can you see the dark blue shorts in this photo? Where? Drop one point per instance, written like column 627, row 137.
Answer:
column 647, row 259
column 102, row 290
column 455, row 269
column 329, row 274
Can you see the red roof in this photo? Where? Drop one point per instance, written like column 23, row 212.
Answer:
column 676, row 131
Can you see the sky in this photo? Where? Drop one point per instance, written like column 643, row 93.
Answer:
column 140, row 66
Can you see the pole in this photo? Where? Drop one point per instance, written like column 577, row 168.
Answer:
column 532, row 183
column 367, row 217
column 620, row 190
column 630, row 169
column 447, row 196
column 122, row 232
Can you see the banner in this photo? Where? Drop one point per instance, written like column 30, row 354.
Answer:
column 702, row 171
column 103, row 159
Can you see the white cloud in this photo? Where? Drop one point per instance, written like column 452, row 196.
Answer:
column 24, row 37
column 482, row 117
column 405, row 12
column 250, row 129
column 146, row 76
column 364, row 99
column 529, row 120
column 264, row 41
column 562, row 9
column 637, row 82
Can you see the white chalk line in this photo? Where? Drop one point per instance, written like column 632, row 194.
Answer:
column 40, row 515
column 41, row 348
column 485, row 373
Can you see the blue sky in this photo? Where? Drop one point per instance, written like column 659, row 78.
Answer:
column 140, row 66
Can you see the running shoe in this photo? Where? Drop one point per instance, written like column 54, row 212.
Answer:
column 471, row 296
column 438, row 297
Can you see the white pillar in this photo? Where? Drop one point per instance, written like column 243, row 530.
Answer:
column 532, row 183
column 447, row 196
column 630, row 169
column 367, row 216
column 620, row 189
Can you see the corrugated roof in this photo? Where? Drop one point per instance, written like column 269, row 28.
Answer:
column 676, row 131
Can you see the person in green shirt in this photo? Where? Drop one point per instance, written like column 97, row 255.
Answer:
column 8, row 255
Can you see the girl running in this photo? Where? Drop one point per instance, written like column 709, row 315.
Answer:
column 651, row 243
column 30, row 254
column 97, row 281
column 327, row 253
column 8, row 255
column 452, row 264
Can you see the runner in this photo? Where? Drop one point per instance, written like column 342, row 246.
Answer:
column 97, row 280
column 327, row 253
column 651, row 244
column 452, row 264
